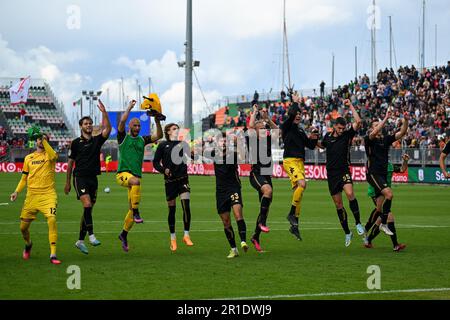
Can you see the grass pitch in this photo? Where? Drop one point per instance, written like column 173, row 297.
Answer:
column 319, row 267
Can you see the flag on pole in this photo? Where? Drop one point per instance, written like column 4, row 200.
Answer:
column 18, row 93
column 77, row 103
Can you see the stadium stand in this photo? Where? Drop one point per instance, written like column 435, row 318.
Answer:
column 41, row 109
column 424, row 95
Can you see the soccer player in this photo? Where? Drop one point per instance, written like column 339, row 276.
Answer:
column 377, row 147
column 261, row 172
column 84, row 152
column 176, row 179
column 445, row 152
column 228, row 194
column 39, row 176
column 129, row 172
column 337, row 144
column 295, row 141
column 372, row 225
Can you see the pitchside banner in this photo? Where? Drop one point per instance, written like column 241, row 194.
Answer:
column 426, row 175
column 312, row 172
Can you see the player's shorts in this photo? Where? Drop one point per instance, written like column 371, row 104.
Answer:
column 295, row 169
column 378, row 182
column 226, row 199
column 34, row 203
column 337, row 181
column 258, row 181
column 86, row 185
column 122, row 178
column 177, row 187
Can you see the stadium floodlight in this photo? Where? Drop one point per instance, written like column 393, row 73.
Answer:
column 91, row 96
column 181, row 64
column 196, row 63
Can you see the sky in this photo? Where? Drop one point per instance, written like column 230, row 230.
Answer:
column 90, row 45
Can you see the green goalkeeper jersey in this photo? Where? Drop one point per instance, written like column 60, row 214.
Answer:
column 390, row 171
column 131, row 153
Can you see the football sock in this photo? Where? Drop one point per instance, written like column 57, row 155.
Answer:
column 173, row 236
column 342, row 214
column 83, row 229
column 124, row 234
column 373, row 232
column 372, row 219
column 135, row 195
column 355, row 209
column 171, row 218
column 25, row 229
column 186, row 233
column 242, row 229
column 52, row 234
column 292, row 212
column 391, row 226
column 297, row 200
column 229, row 233
column 386, row 209
column 185, row 203
column 264, row 210
column 88, row 220
column 129, row 221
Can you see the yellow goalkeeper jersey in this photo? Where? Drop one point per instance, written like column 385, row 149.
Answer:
column 39, row 167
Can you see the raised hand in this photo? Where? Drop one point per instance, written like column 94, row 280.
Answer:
column 101, row 106
column 131, row 104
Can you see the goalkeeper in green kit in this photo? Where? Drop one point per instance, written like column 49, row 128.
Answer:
column 372, row 225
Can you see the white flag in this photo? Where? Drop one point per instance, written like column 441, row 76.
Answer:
column 18, row 93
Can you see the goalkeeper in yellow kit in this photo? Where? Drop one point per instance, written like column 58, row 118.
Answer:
column 39, row 176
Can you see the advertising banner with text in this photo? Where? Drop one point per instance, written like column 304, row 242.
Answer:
column 312, row 172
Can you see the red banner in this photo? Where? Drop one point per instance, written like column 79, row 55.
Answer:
column 312, row 172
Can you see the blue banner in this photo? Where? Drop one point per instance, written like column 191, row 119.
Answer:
column 114, row 117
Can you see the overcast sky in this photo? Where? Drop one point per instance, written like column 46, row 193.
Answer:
column 78, row 45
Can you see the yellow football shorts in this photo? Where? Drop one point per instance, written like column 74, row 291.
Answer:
column 34, row 203
column 295, row 169
column 123, row 177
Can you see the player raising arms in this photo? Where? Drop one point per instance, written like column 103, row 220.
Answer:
column 295, row 140
column 38, row 175
column 377, row 150
column 445, row 152
column 337, row 144
column 372, row 225
column 84, row 152
column 261, row 172
column 176, row 179
column 228, row 193
column 129, row 172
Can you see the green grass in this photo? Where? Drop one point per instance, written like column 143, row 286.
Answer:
column 318, row 264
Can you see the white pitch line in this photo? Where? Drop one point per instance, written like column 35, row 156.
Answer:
column 332, row 294
column 199, row 230
column 4, row 204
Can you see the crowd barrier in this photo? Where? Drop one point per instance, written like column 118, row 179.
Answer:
column 312, row 172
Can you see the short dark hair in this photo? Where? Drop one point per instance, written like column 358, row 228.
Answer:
column 84, row 118
column 166, row 130
column 341, row 121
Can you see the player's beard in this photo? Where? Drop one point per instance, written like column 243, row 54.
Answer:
column 87, row 132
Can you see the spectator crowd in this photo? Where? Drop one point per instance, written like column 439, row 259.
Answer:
column 425, row 96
